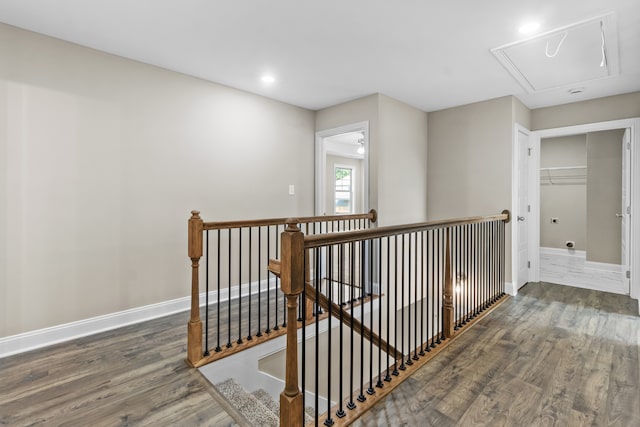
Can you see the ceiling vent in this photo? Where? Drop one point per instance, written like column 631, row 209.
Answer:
column 564, row 57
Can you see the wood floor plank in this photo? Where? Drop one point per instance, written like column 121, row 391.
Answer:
column 134, row 375
column 552, row 356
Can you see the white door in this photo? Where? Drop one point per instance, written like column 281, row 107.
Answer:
column 522, row 209
column 625, row 207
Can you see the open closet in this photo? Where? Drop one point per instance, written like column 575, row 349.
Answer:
column 582, row 186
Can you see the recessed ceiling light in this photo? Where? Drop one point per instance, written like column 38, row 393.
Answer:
column 269, row 79
column 529, row 27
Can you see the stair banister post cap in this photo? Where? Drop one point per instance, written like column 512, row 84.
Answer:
column 508, row 214
column 292, row 224
column 195, row 214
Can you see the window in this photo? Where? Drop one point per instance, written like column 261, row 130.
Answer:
column 344, row 190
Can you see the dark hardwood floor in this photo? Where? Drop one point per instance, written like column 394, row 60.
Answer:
column 553, row 355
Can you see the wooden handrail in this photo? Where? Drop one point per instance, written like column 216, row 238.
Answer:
column 351, row 321
column 372, row 215
column 328, row 239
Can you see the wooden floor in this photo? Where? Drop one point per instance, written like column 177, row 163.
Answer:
column 133, row 376
column 552, row 356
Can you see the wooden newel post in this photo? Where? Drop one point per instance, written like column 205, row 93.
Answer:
column 447, row 310
column 194, row 327
column 292, row 276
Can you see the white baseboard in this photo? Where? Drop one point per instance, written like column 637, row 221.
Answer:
column 32, row 340
column 571, row 268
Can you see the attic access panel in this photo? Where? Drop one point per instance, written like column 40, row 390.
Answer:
column 564, row 57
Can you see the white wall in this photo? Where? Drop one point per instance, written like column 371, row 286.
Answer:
column 103, row 159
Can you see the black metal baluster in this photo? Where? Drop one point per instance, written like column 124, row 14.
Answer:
column 275, row 291
column 206, row 298
column 218, row 348
column 472, row 271
column 402, row 286
column 484, row 265
column 268, row 330
column 259, row 333
column 249, row 336
column 425, row 291
column 422, row 289
column 395, row 308
column 329, row 421
column 239, row 285
column 416, row 299
column 409, row 361
column 317, row 337
column 229, row 294
column 379, row 383
column 351, row 404
column 370, row 390
column 361, row 397
column 456, row 265
column 433, row 287
column 466, row 272
column 388, row 299
column 441, row 267
column 340, row 413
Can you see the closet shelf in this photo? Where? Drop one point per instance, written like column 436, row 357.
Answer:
column 567, row 175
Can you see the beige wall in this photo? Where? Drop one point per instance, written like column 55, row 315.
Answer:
column 398, row 154
column 592, row 111
column 402, row 167
column 102, row 160
column 469, row 168
column 565, row 199
column 521, row 114
column 604, row 196
column 358, row 182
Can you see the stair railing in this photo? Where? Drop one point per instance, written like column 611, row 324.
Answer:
column 426, row 283
column 242, row 303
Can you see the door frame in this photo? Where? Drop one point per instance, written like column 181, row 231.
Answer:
column 634, row 164
column 321, row 162
column 512, row 288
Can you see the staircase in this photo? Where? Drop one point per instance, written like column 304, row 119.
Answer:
column 259, row 408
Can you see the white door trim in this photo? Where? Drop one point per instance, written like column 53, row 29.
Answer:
column 321, row 156
column 634, row 242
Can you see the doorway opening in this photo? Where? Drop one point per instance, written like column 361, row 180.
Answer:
column 342, row 170
column 573, row 173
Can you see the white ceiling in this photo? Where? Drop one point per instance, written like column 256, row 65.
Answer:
column 430, row 54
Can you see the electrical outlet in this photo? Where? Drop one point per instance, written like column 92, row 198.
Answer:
column 292, row 189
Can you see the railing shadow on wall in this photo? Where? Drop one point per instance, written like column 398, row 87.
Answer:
column 426, row 283
column 242, row 303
